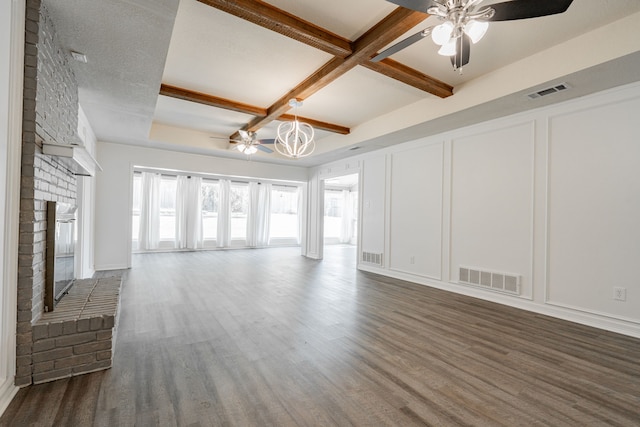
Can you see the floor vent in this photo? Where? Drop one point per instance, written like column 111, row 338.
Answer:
column 371, row 258
column 548, row 91
column 501, row 282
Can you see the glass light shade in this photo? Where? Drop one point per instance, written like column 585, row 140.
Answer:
column 247, row 149
column 441, row 34
column 449, row 48
column 476, row 29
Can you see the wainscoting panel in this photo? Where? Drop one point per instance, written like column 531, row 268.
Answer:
column 492, row 202
column 416, row 211
column 594, row 209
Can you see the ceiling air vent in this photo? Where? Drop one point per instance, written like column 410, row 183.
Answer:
column 548, row 91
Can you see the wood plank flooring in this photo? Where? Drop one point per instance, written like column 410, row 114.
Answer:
column 269, row 338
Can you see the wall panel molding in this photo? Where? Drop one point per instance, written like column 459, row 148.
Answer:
column 501, row 137
column 595, row 205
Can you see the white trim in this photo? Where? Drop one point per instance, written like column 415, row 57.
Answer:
column 84, row 251
column 11, row 197
column 388, row 166
column 107, row 267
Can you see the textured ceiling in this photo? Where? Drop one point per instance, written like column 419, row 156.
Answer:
column 133, row 46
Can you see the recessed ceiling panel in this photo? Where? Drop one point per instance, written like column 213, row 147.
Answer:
column 176, row 112
column 349, row 19
column 216, row 53
column 359, row 96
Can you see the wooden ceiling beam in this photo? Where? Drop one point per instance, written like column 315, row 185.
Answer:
column 384, row 32
column 410, row 76
column 214, row 101
column 274, row 19
column 317, row 124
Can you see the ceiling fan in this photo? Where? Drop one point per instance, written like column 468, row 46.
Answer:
column 249, row 143
column 467, row 21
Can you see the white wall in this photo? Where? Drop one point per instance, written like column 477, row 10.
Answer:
column 417, row 170
column 594, row 208
column 551, row 195
column 11, row 70
column 113, row 190
column 372, row 205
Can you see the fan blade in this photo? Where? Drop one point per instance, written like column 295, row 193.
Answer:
column 266, row 141
column 461, row 58
column 419, row 5
column 263, row 148
column 401, row 45
column 245, row 135
column 523, row 9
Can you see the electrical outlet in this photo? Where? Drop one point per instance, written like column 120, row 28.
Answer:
column 620, row 294
column 412, row 260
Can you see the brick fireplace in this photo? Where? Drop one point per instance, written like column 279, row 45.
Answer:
column 50, row 116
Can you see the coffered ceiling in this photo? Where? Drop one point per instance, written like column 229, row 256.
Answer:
column 187, row 75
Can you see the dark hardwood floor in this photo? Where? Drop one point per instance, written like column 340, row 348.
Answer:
column 269, row 338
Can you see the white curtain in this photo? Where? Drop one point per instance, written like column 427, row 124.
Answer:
column 149, row 234
column 346, row 226
column 259, row 214
column 189, row 213
column 224, row 215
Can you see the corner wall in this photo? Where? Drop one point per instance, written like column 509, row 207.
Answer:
column 549, row 196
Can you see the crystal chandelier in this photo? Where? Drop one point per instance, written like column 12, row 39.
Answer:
column 295, row 139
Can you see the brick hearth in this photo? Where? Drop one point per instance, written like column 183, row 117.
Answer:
column 79, row 335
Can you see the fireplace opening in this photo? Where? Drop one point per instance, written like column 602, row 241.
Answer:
column 61, row 248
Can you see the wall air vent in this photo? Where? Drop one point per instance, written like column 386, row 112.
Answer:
column 491, row 280
column 548, row 91
column 372, row 258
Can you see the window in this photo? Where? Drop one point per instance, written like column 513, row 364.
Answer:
column 175, row 212
column 210, row 202
column 333, row 206
column 283, row 223
column 239, row 199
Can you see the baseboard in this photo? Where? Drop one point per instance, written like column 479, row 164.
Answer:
column 7, row 392
column 108, row 267
column 313, row 255
column 594, row 320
